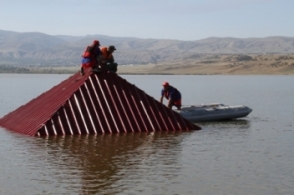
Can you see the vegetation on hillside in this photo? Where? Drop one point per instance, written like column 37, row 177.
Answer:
column 203, row 64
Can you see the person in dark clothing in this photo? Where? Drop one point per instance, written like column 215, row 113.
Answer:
column 173, row 96
column 107, row 59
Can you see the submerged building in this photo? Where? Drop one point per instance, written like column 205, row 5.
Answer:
column 93, row 104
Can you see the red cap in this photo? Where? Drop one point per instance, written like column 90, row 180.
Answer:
column 96, row 42
column 165, row 84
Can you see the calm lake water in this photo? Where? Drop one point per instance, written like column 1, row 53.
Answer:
column 253, row 155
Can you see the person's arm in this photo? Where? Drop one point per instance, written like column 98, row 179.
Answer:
column 161, row 99
column 162, row 95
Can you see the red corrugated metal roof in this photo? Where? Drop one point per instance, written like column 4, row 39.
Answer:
column 91, row 104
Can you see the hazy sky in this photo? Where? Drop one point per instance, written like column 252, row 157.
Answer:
column 159, row 19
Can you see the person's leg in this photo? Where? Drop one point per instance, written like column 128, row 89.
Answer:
column 82, row 70
column 114, row 67
column 86, row 63
column 95, row 67
column 111, row 67
column 178, row 104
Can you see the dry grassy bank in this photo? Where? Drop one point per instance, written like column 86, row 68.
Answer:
column 206, row 64
column 220, row 64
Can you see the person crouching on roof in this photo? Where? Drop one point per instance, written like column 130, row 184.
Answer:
column 107, row 59
column 173, row 96
column 90, row 55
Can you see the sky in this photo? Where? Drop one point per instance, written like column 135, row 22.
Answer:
column 156, row 19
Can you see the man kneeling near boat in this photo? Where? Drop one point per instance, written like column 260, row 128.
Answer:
column 173, row 96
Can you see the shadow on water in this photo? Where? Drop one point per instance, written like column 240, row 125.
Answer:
column 226, row 128
column 229, row 123
column 104, row 163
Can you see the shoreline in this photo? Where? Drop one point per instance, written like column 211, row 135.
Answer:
column 210, row 64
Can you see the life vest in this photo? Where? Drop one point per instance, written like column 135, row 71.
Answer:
column 105, row 54
column 89, row 52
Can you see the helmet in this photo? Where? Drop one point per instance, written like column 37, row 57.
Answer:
column 165, row 84
column 96, row 42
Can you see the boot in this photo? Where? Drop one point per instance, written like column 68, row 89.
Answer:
column 82, row 71
column 96, row 70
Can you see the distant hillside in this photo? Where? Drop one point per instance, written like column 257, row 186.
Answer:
column 41, row 49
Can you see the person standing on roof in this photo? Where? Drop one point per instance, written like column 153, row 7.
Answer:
column 107, row 59
column 173, row 96
column 90, row 55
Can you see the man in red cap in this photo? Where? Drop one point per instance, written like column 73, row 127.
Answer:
column 90, row 57
column 173, row 96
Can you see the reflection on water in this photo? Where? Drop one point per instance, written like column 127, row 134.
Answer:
column 105, row 163
column 241, row 123
column 225, row 156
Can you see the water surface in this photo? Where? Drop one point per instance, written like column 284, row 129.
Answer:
column 253, row 155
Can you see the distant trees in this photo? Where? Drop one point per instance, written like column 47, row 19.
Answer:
column 13, row 69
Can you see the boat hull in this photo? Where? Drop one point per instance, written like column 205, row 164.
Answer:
column 213, row 112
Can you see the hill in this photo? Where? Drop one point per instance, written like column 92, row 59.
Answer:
column 227, row 64
column 40, row 49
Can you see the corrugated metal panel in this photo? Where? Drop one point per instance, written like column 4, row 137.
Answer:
column 93, row 104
